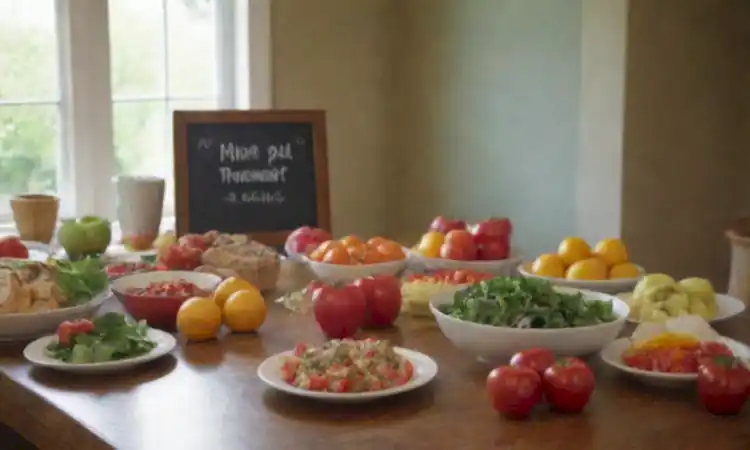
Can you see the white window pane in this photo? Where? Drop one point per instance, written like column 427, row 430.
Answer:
column 29, row 142
column 191, row 48
column 139, row 132
column 137, row 39
column 28, row 50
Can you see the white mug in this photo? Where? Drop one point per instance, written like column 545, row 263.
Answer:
column 140, row 199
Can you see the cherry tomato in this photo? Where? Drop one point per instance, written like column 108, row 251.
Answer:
column 568, row 385
column 514, row 391
column 68, row 329
column 537, row 358
column 339, row 311
column 723, row 384
column 383, row 296
column 12, row 247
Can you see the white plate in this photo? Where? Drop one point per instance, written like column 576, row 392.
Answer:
column 36, row 354
column 425, row 369
column 607, row 286
column 728, row 307
column 612, row 355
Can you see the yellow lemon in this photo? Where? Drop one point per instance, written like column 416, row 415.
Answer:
column 229, row 286
column 612, row 251
column 573, row 249
column 624, row 270
column 429, row 245
column 245, row 311
column 199, row 319
column 591, row 269
column 548, row 265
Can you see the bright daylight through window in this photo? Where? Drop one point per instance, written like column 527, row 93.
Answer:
column 163, row 55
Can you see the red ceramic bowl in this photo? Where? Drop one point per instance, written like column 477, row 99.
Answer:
column 159, row 312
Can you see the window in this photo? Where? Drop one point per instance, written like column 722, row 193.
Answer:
column 87, row 89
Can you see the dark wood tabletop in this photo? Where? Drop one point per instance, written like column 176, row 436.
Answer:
column 208, row 396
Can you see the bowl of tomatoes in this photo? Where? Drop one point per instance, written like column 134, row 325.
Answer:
column 350, row 258
column 157, row 296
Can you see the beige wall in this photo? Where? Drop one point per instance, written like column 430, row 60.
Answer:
column 335, row 55
column 687, row 133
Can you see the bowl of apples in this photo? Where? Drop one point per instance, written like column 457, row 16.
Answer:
column 351, row 258
column 450, row 244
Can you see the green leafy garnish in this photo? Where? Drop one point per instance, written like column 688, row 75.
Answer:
column 80, row 280
column 113, row 338
column 520, row 302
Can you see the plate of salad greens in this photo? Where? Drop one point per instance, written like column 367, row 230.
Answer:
column 108, row 343
column 497, row 317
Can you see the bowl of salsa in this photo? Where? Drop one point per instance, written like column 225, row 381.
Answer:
column 157, row 296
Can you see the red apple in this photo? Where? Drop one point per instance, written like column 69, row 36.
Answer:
column 443, row 225
column 494, row 248
column 305, row 239
column 458, row 252
column 491, row 228
column 339, row 311
column 383, row 296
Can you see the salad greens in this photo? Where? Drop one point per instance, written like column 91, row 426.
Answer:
column 113, row 338
column 521, row 302
column 80, row 280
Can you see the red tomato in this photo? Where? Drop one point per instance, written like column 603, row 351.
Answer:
column 514, row 391
column 443, row 225
column 383, row 296
column 568, row 385
column 494, row 248
column 339, row 311
column 178, row 257
column 723, row 384
column 68, row 329
column 12, row 247
column 536, row 358
column 490, row 228
column 306, row 239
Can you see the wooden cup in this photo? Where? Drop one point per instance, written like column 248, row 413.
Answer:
column 35, row 216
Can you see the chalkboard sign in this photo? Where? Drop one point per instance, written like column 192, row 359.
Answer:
column 259, row 172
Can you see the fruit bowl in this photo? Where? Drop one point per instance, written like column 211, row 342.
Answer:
column 159, row 311
column 613, row 286
column 502, row 267
column 340, row 273
column 496, row 344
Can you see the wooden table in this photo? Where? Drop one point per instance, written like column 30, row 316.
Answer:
column 207, row 396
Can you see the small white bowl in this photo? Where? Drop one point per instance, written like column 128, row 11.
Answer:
column 615, row 286
column 501, row 267
column 497, row 344
column 340, row 273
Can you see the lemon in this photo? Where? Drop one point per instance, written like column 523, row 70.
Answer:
column 591, row 269
column 624, row 270
column 429, row 245
column 245, row 311
column 199, row 319
column 548, row 265
column 573, row 249
column 612, row 251
column 229, row 286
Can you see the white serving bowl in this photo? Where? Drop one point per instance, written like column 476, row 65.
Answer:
column 29, row 326
column 502, row 267
column 340, row 273
column 496, row 344
column 607, row 286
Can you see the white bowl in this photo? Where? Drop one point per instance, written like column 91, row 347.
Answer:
column 607, row 286
column 203, row 280
column 502, row 267
column 496, row 344
column 728, row 306
column 28, row 326
column 339, row 273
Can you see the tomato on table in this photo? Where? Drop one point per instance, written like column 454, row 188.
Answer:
column 68, row 329
column 568, row 385
column 514, row 391
column 383, row 297
column 12, row 247
column 723, row 384
column 538, row 359
column 339, row 311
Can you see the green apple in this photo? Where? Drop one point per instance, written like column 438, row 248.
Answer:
column 85, row 236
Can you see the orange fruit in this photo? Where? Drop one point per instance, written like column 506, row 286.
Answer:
column 338, row 255
column 429, row 244
column 591, row 269
column 391, row 251
column 573, row 249
column 229, row 287
column 612, row 251
column 357, row 251
column 548, row 265
column 199, row 319
column 245, row 311
column 624, row 270
column 350, row 240
column 373, row 256
column 375, row 241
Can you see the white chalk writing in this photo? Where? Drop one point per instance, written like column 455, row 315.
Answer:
column 272, row 175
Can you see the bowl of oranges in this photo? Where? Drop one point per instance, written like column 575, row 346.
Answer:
column 350, row 258
column 605, row 268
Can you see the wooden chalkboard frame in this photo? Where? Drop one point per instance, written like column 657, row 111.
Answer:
column 317, row 118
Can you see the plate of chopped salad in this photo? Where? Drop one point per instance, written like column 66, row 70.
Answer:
column 108, row 343
column 348, row 370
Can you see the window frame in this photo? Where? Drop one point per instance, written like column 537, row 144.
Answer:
column 86, row 158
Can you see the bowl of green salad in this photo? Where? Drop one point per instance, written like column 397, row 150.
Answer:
column 495, row 318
